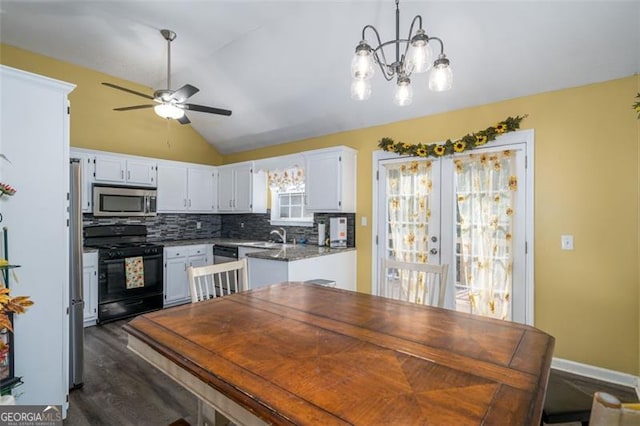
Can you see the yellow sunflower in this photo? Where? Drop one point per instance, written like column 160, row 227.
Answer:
column 459, row 146
column 439, row 150
column 481, row 140
column 421, row 152
column 513, row 183
column 501, row 128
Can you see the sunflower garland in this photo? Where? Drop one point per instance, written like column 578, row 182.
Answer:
column 466, row 143
column 636, row 106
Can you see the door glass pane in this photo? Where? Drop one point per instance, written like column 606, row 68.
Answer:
column 486, row 185
column 409, row 206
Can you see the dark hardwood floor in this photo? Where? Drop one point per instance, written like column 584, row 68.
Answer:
column 122, row 389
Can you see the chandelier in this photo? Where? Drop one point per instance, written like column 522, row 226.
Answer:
column 417, row 58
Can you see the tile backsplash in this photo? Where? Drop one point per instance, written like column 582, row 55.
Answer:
column 177, row 226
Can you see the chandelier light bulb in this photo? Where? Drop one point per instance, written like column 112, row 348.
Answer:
column 362, row 63
column 404, row 92
column 441, row 77
column 419, row 55
column 360, row 90
column 169, row 111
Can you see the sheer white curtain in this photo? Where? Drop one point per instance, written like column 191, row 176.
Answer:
column 409, row 187
column 486, row 185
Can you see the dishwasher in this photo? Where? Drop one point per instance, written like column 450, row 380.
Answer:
column 224, row 254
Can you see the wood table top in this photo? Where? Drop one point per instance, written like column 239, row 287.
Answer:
column 304, row 354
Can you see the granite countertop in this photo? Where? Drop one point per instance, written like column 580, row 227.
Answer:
column 291, row 252
column 279, row 252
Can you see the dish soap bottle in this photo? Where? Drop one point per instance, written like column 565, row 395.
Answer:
column 321, row 233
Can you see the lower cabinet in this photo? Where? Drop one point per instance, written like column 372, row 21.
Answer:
column 339, row 267
column 176, row 261
column 90, row 287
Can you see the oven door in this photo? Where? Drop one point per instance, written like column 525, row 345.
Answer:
column 114, row 286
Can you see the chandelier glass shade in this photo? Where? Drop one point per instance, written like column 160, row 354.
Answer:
column 416, row 59
column 168, row 110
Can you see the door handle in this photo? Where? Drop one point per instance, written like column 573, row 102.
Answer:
column 434, row 239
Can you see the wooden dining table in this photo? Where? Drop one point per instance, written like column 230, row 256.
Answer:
column 304, row 354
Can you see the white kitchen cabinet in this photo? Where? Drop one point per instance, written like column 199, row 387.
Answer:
column 90, row 287
column 339, row 267
column 331, row 180
column 34, row 136
column 183, row 188
column 122, row 170
column 241, row 189
column 176, row 261
column 201, row 189
column 86, row 173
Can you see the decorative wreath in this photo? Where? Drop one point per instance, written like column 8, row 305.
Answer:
column 636, row 106
column 466, row 143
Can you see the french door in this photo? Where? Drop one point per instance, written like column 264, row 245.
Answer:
column 472, row 211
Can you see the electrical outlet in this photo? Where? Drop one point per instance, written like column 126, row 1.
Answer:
column 242, row 225
column 566, row 242
column 198, row 225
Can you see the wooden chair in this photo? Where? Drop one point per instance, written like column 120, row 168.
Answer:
column 413, row 282
column 210, row 281
column 607, row 410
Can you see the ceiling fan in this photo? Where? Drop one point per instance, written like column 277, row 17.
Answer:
column 170, row 103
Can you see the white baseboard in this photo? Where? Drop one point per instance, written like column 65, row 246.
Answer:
column 597, row 373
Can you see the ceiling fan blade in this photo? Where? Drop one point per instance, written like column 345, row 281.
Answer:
column 133, row 107
column 124, row 89
column 184, row 93
column 184, row 119
column 202, row 108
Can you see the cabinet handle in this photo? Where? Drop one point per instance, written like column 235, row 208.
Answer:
column 128, row 175
column 184, row 202
column 122, row 174
column 189, row 202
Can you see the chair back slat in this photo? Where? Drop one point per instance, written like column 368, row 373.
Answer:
column 419, row 283
column 211, row 281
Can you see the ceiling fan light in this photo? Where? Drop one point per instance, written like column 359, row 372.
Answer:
column 441, row 77
column 419, row 55
column 404, row 92
column 362, row 62
column 360, row 90
column 169, row 111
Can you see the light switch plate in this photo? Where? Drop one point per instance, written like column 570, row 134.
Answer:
column 363, row 221
column 566, row 242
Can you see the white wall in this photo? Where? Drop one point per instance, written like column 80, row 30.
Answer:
column 34, row 136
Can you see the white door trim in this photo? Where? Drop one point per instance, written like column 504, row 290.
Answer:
column 519, row 137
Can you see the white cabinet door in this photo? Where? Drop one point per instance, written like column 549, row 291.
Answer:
column 141, row 172
column 201, row 190
column 90, row 287
column 226, row 189
column 323, row 182
column 86, row 167
column 243, row 191
column 175, row 277
column 331, row 180
column 172, row 188
column 110, row 168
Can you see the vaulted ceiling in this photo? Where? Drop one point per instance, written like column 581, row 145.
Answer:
column 283, row 67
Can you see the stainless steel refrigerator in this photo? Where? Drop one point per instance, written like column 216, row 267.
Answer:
column 76, row 302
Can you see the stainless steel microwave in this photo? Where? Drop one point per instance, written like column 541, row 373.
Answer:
column 124, row 201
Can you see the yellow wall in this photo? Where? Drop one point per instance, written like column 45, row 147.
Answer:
column 586, row 184
column 94, row 124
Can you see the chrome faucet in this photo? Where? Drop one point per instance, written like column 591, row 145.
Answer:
column 282, row 235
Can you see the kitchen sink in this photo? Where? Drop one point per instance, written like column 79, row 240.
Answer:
column 268, row 244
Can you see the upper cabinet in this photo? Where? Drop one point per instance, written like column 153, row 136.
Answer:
column 186, row 188
column 331, row 180
column 122, row 170
column 241, row 189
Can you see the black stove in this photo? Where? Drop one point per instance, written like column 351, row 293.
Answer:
column 130, row 270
